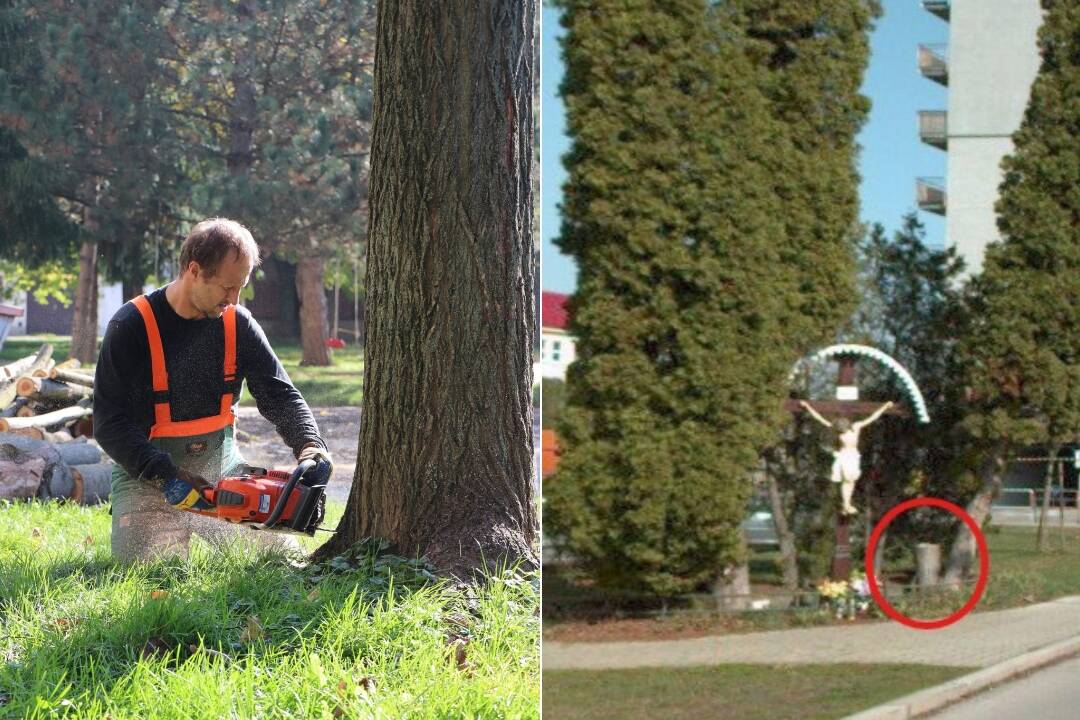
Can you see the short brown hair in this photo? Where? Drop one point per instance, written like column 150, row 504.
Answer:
column 212, row 240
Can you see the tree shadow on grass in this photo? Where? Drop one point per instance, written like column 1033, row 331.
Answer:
column 170, row 611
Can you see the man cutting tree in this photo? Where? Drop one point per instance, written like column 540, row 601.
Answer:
column 166, row 386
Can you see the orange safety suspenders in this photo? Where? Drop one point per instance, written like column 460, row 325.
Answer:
column 163, row 423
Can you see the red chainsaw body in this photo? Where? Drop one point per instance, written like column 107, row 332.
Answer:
column 250, row 498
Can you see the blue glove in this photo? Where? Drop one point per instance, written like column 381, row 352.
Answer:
column 181, row 492
column 324, row 466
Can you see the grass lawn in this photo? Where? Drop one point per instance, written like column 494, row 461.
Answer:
column 228, row 635
column 1019, row 575
column 339, row 384
column 733, row 692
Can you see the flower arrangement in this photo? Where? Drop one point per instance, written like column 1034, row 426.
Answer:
column 847, row 598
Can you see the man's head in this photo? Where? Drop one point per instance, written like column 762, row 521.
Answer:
column 216, row 260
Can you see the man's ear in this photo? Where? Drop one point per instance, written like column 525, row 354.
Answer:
column 194, row 268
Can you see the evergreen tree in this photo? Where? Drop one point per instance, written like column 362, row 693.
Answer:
column 811, row 56
column 670, row 214
column 278, row 101
column 1024, row 346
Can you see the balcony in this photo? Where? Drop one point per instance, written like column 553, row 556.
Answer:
column 934, row 62
column 933, row 128
column 938, row 7
column 930, row 194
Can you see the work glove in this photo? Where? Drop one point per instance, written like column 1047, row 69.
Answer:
column 185, row 491
column 324, row 466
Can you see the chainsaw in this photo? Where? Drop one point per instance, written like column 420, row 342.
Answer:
column 268, row 499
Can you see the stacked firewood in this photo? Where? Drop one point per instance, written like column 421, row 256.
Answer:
column 45, row 422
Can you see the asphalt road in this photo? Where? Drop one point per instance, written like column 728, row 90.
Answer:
column 1050, row 694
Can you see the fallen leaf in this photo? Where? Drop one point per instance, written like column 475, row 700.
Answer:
column 89, row 540
column 159, row 594
column 313, row 595
column 61, row 622
column 253, row 630
column 367, row 683
column 37, row 533
column 458, row 647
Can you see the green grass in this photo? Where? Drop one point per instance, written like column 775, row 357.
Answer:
column 735, row 692
column 224, row 635
column 1019, row 575
column 19, row 347
column 339, row 384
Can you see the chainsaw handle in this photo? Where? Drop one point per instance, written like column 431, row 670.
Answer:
column 283, row 498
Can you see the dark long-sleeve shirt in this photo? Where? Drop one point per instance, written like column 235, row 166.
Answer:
column 194, row 359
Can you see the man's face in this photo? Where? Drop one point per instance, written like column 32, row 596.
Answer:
column 212, row 295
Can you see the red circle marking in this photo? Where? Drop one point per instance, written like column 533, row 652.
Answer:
column 984, row 563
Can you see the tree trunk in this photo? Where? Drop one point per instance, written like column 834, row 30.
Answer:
column 789, row 560
column 962, row 553
column 134, row 273
column 309, row 288
column 446, row 434
column 1040, row 534
column 732, row 589
column 243, row 108
column 84, row 326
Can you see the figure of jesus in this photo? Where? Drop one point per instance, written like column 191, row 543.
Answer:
column 847, row 462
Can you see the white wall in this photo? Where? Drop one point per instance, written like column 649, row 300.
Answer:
column 556, row 353
column 993, row 59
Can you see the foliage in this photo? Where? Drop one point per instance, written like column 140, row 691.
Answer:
column 1024, row 347
column 676, row 381
column 43, row 280
column 710, row 208
column 554, row 397
column 236, row 635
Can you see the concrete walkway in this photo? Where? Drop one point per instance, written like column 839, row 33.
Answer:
column 979, row 640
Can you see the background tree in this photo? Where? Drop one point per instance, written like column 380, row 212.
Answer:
column 446, row 433
column 277, row 100
column 668, row 213
column 810, row 59
column 1024, row 345
column 79, row 101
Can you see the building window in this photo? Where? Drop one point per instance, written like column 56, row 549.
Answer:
column 556, row 350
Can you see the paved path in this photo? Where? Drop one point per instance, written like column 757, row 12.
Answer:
column 1049, row 694
column 978, row 640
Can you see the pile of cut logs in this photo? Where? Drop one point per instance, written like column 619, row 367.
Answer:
column 45, row 420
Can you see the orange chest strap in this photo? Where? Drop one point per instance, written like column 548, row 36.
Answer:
column 163, row 422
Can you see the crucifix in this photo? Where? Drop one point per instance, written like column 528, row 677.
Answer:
column 847, row 461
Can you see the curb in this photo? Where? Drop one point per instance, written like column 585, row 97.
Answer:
column 920, row 703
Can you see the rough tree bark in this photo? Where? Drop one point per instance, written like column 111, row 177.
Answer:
column 84, row 324
column 309, row 288
column 962, row 553
column 445, row 436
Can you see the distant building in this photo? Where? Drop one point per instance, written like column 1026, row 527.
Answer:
column 989, row 65
column 556, row 343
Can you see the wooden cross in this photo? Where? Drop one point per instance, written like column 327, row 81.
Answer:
column 851, row 409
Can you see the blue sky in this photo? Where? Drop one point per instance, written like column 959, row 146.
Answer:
column 892, row 155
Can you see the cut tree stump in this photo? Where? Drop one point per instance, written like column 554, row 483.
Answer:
column 46, row 389
column 92, row 482
column 71, row 376
column 8, row 389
